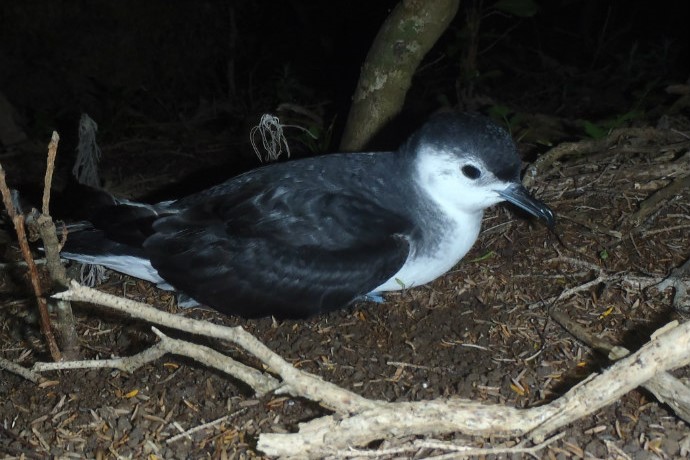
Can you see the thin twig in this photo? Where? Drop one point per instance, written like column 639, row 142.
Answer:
column 48, row 179
column 18, row 221
column 260, row 382
column 191, row 431
column 128, row 364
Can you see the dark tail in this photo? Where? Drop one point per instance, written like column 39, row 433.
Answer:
column 105, row 230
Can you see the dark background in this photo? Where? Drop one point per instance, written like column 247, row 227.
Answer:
column 204, row 71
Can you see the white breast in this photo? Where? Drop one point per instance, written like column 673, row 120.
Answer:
column 423, row 268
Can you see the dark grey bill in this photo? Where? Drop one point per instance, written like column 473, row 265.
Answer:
column 520, row 197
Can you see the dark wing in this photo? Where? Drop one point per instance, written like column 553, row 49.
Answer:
column 278, row 252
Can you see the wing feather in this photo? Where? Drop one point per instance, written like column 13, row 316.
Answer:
column 257, row 253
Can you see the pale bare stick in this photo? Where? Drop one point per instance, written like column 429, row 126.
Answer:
column 664, row 386
column 23, row 372
column 321, row 437
column 260, row 382
column 295, row 382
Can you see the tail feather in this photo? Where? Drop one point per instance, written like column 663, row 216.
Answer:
column 95, row 248
column 102, row 229
column 122, row 221
column 105, row 230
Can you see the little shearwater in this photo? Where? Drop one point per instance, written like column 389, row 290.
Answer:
column 304, row 237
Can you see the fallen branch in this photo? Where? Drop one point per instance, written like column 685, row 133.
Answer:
column 21, row 371
column 359, row 421
column 664, row 386
column 454, row 450
column 323, row 436
column 261, row 383
column 295, row 382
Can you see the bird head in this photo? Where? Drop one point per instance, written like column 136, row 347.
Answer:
column 466, row 163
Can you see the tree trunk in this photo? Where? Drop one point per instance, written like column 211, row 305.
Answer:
column 405, row 37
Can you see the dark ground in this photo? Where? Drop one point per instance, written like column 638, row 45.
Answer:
column 481, row 332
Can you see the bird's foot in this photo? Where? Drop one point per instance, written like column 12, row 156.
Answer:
column 184, row 301
column 376, row 297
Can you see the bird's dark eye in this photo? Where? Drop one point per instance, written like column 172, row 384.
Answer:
column 471, row 172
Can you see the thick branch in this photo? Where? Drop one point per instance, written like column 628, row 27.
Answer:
column 664, row 386
column 325, row 435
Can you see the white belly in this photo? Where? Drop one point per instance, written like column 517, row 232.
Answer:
column 423, row 268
